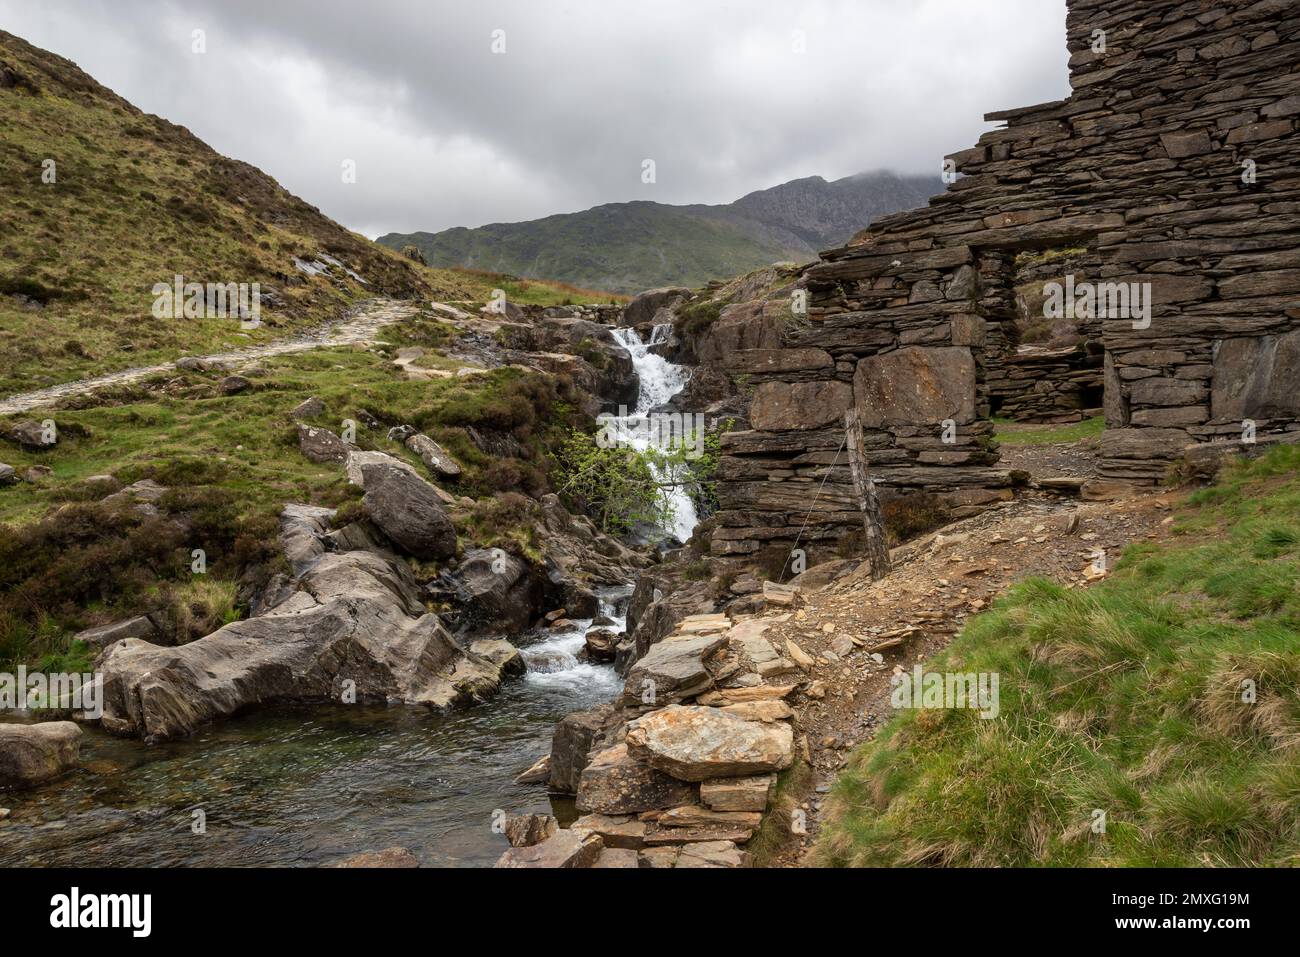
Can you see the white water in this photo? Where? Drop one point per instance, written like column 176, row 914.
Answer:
column 660, row 380
column 553, row 662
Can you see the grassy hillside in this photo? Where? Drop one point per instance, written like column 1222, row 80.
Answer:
column 136, row 200
column 1130, row 698
column 629, row 247
column 626, row 248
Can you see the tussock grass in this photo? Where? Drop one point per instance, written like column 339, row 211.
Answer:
column 1167, row 697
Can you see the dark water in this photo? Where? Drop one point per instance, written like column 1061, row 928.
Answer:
column 304, row 787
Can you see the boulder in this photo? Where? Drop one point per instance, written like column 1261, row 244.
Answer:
column 659, row 603
column 409, row 511
column 617, row 783
column 358, row 536
column 600, row 644
column 308, row 409
column 31, row 754
column 573, row 742
column 356, row 627
column 435, row 458
column 494, row 591
column 321, row 445
column 234, row 384
column 673, row 670
column 525, row 830
column 389, row 858
column 1144, row 443
column 708, row 385
column 742, row 326
column 564, row 849
column 700, row 743
column 31, row 435
column 645, row 307
column 819, row 576
column 7, row 475
column 105, row 635
column 356, row 462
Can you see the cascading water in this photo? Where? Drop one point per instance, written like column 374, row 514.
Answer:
column 295, row 786
column 660, row 381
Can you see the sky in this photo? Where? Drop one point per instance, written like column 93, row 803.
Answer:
column 467, row 112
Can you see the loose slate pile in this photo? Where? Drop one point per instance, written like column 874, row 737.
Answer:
column 681, row 771
column 1172, row 164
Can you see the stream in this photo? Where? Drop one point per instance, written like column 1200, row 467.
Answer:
column 307, row 786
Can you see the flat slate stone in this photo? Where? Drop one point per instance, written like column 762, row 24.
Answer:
column 738, row 794
column 565, row 849
column 616, row 783
column 676, row 669
column 698, row 743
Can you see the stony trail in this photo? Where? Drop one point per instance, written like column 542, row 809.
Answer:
column 358, row 327
column 937, row 583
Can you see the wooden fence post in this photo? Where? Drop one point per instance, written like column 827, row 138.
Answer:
column 873, row 521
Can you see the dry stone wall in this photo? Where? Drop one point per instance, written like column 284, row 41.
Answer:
column 1173, row 171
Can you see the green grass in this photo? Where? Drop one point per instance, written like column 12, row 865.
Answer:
column 1128, row 698
column 67, row 562
column 540, row 292
column 1021, row 433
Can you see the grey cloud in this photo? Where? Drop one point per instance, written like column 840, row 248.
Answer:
column 446, row 133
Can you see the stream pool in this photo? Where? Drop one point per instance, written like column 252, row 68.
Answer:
column 308, row 786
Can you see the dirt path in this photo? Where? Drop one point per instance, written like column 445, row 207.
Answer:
column 357, row 327
column 937, row 583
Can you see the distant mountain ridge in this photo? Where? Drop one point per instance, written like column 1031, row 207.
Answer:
column 629, row 247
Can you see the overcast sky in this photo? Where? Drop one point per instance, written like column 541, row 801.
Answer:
column 445, row 132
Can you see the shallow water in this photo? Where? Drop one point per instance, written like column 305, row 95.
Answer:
column 308, row 786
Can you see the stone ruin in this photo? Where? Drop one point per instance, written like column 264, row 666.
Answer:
column 1170, row 171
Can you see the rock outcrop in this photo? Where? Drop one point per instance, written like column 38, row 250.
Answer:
column 409, row 511
column 352, row 629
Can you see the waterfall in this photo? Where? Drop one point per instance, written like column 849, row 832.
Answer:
column 660, row 380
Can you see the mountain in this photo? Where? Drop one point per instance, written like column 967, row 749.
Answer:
column 100, row 202
column 628, row 247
